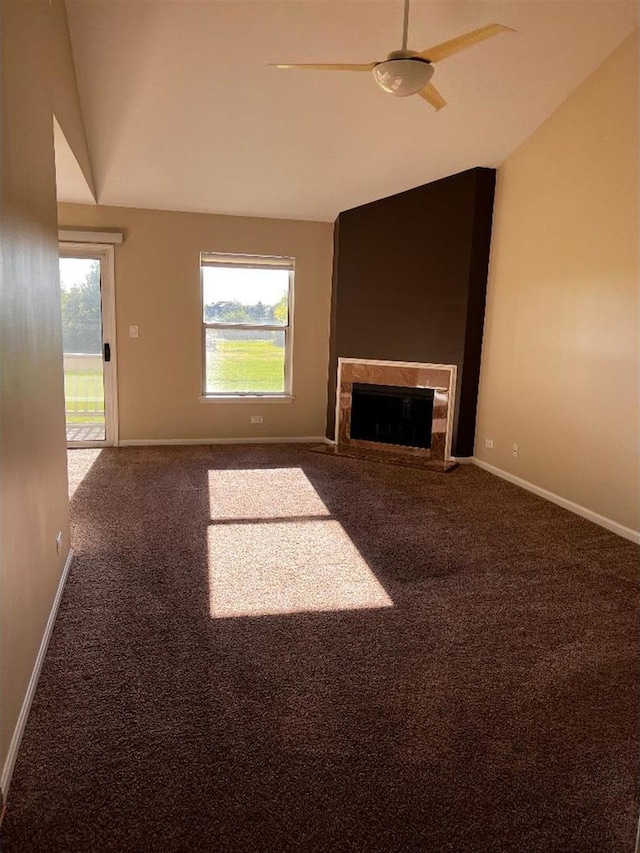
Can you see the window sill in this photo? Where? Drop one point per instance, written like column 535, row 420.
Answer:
column 247, row 398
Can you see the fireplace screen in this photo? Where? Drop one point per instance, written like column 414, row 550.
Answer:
column 390, row 414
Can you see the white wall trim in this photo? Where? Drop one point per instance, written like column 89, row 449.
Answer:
column 67, row 235
column 14, row 746
column 298, row 439
column 590, row 515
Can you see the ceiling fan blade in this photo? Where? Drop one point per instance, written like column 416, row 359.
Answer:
column 326, row 67
column 431, row 94
column 448, row 48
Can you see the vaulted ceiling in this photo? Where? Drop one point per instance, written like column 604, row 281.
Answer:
column 183, row 112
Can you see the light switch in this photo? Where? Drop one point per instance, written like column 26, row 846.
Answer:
column 134, row 332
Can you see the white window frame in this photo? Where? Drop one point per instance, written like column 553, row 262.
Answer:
column 212, row 259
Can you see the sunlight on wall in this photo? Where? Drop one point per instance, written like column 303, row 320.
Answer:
column 274, row 548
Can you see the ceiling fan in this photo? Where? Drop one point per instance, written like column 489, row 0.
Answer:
column 406, row 72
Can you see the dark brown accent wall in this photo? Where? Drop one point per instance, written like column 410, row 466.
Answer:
column 409, row 284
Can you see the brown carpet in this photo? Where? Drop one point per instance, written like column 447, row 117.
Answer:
column 264, row 649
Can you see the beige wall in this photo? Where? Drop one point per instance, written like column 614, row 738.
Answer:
column 38, row 80
column 560, row 358
column 158, row 289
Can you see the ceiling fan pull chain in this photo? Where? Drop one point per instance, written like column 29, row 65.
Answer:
column 405, row 25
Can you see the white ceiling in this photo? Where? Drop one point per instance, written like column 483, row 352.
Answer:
column 182, row 111
column 71, row 184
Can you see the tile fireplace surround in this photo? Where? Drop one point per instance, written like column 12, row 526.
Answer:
column 405, row 374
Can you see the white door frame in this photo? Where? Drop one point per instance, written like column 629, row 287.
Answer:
column 106, row 254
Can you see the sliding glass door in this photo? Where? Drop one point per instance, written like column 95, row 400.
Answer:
column 86, row 274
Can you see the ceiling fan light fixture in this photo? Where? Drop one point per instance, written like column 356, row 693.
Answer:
column 402, row 77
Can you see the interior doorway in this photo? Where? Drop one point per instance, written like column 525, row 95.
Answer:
column 88, row 341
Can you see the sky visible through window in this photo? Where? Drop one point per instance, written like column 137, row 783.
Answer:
column 248, row 286
column 73, row 271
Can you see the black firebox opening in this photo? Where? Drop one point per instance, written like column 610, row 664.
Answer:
column 392, row 415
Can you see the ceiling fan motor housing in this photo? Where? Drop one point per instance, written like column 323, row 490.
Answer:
column 402, row 73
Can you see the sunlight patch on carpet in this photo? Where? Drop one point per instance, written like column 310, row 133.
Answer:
column 80, row 460
column 288, row 567
column 263, row 493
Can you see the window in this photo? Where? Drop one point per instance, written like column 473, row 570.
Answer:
column 246, row 325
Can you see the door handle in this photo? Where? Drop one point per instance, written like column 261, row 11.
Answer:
column 107, row 352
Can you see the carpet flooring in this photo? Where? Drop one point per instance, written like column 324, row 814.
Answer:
column 261, row 648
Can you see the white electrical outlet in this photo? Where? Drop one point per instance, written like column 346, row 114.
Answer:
column 516, row 451
column 134, row 332
column 257, row 419
column 488, row 442
column 59, row 542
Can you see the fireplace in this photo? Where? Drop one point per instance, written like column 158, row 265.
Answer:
column 390, row 414
column 396, row 410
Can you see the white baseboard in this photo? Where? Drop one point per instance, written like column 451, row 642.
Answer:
column 300, row 439
column 14, row 746
column 590, row 515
